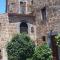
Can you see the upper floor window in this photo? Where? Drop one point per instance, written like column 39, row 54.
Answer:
column 25, row 6
column 32, row 1
column 43, row 11
column 30, row 6
column 11, row 7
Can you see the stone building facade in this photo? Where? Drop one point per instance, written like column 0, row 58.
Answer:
column 38, row 18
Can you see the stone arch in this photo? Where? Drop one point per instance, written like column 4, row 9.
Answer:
column 23, row 27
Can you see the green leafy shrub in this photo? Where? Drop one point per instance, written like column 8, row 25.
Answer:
column 42, row 53
column 58, row 40
column 20, row 47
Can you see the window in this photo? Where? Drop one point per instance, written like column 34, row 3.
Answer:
column 44, row 38
column 43, row 11
column 32, row 29
column 26, row 6
column 23, row 27
column 32, row 1
column 30, row 6
column 11, row 7
column 23, row 7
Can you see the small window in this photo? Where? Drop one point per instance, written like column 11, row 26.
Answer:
column 32, row 29
column 44, row 38
column 43, row 11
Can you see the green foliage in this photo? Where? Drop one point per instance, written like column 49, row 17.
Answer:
column 29, row 59
column 42, row 53
column 58, row 39
column 20, row 47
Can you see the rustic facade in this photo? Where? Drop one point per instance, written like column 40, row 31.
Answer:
column 39, row 18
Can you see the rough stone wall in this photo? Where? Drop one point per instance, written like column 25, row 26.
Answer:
column 4, row 36
column 10, row 25
column 42, row 27
column 52, row 23
column 15, row 21
column 53, row 20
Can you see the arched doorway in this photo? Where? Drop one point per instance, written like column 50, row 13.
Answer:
column 23, row 27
